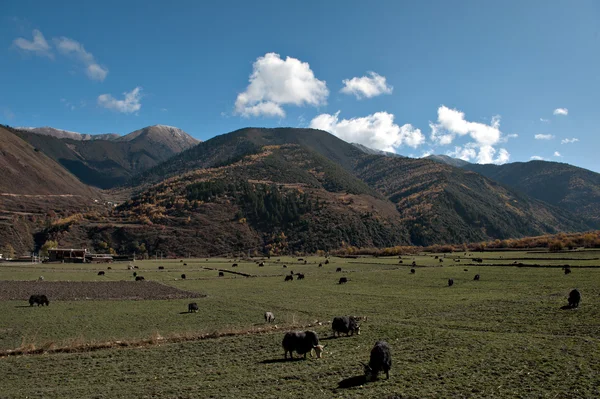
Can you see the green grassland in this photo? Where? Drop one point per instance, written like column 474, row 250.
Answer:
column 502, row 336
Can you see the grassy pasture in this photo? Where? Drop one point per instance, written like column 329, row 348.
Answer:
column 503, row 336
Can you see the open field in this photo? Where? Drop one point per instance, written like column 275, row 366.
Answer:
column 502, row 336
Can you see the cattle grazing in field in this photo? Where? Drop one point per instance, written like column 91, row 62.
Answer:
column 161, row 268
column 289, row 277
column 401, row 261
column 261, row 264
column 320, row 265
column 134, row 274
column 300, row 259
column 301, row 342
column 185, row 264
column 41, row 278
column 380, row 360
column 285, row 266
column 574, row 298
column 450, row 282
column 300, row 276
column 414, row 263
column 139, row 278
column 305, row 262
column 269, row 317
column 183, row 276
column 345, row 324
column 39, row 300
column 100, row 273
column 326, row 261
column 109, row 268
column 135, row 267
column 193, row 307
column 339, row 269
column 437, row 257
column 441, row 260
column 466, row 270
column 234, row 265
column 221, row 274
column 343, row 280
column 412, row 271
column 476, row 278
column 567, row 269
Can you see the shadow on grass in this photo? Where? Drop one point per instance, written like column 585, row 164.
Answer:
column 280, row 360
column 23, row 306
column 352, row 382
column 567, row 307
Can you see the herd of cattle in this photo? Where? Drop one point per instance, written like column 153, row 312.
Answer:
column 303, row 342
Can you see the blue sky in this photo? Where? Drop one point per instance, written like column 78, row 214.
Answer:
column 477, row 80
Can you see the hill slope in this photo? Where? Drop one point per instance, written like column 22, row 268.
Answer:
column 109, row 163
column 566, row 186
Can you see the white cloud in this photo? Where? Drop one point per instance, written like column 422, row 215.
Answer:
column 543, row 137
column 452, row 123
column 38, row 45
column 557, row 154
column 544, row 120
column 367, row 86
column 569, row 141
column 130, row 104
column 73, row 48
column 536, row 158
column 275, row 82
column 561, row 111
column 376, row 131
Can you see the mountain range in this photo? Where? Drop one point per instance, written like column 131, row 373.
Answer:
column 296, row 190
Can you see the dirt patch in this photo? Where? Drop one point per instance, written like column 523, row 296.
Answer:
column 90, row 290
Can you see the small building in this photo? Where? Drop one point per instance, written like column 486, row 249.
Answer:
column 67, row 255
column 98, row 258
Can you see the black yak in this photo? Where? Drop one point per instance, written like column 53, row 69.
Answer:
column 289, row 277
column 301, row 342
column 339, row 269
column 139, row 278
column 193, row 307
column 300, row 276
column 39, row 300
column 221, row 274
column 183, row 276
column 161, row 268
column 412, row 271
column 345, row 324
column 574, row 298
column 343, row 280
column 100, row 273
column 381, row 360
column 476, row 278
column 450, row 282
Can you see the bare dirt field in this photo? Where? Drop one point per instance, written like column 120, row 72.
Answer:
column 90, row 290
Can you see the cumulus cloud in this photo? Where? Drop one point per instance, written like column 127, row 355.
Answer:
column 131, row 102
column 561, row 111
column 38, row 45
column 569, row 141
column 557, row 154
column 275, row 82
column 74, row 49
column 536, row 158
column 376, row 131
column 543, row 137
column 367, row 86
column 452, row 123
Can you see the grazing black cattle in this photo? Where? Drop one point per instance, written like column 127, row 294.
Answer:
column 269, row 317
column 300, row 276
column 289, row 277
column 181, row 260
column 109, row 268
column 135, row 267
column 574, row 298
column 161, row 268
column 139, row 278
column 466, row 270
column 261, row 264
column 326, row 261
column 185, row 264
column 567, row 270
column 134, row 274
column 221, row 274
column 414, row 263
column 436, row 257
column 100, row 273
column 339, row 269
column 412, row 271
column 301, row 342
column 345, row 324
column 457, row 260
column 285, row 266
column 450, row 282
column 381, row 360
column 343, row 280
column 401, row 261
column 320, row 265
column 476, row 278
column 305, row 262
column 39, row 299
column 193, row 307
column 300, row 260
column 183, row 276
column 441, row 260
column 234, row 265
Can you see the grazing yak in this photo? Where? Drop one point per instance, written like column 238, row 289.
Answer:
column 326, row 261
column 285, row 266
column 39, row 300
column 193, row 307
column 441, row 260
column 139, row 278
column 234, row 265
column 261, row 264
column 134, row 274
column 574, row 298
column 289, row 277
column 41, row 278
column 269, row 317
column 345, row 324
column 476, row 278
column 221, row 274
column 320, row 265
column 109, row 268
column 412, row 271
column 301, row 342
column 339, row 269
column 343, row 280
column 183, row 276
column 100, row 273
column 381, row 360
column 401, row 261
column 465, row 270
column 300, row 276
column 161, row 268
column 450, row 282
column 567, row 269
